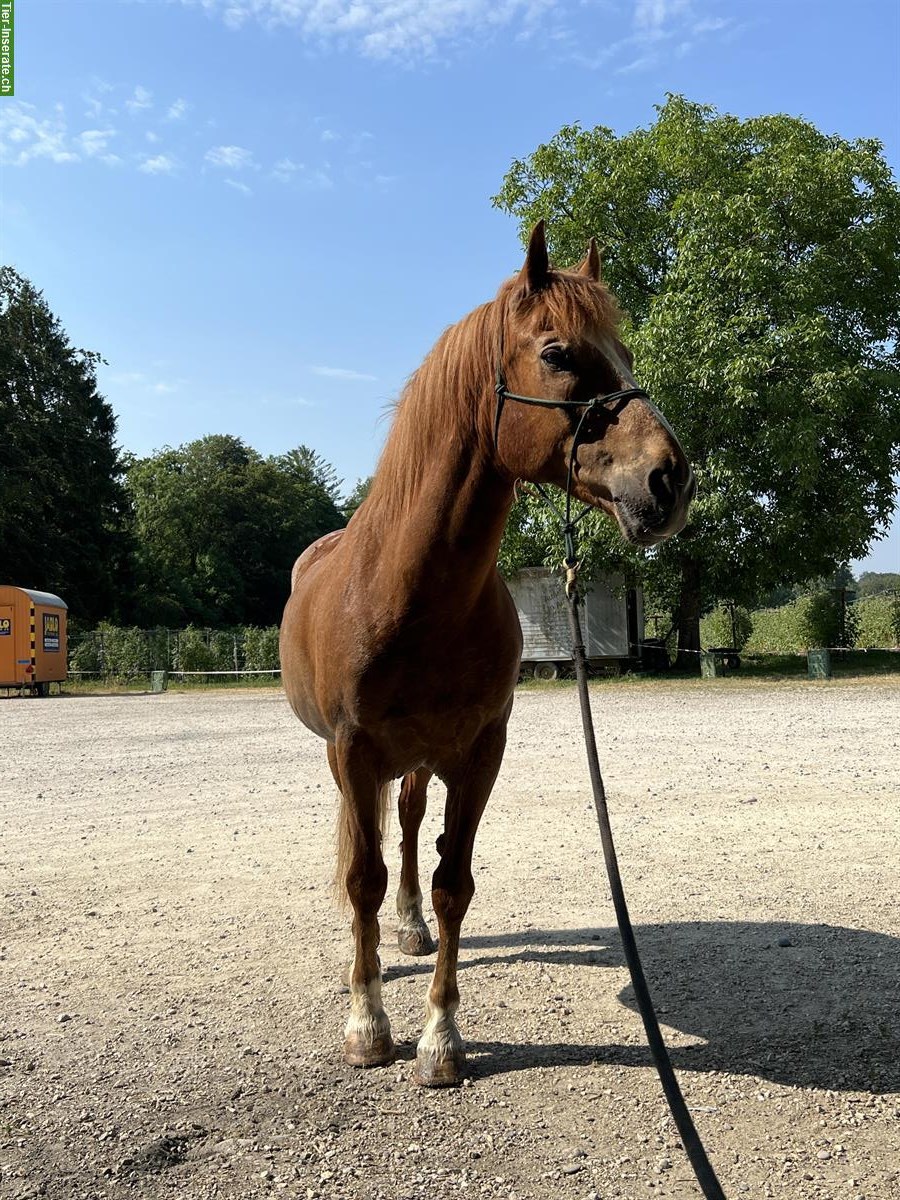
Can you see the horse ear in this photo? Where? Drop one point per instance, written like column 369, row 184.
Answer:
column 536, row 271
column 590, row 264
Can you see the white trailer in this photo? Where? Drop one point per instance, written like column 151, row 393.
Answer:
column 612, row 621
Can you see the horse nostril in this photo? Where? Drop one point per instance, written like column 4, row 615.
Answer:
column 662, row 486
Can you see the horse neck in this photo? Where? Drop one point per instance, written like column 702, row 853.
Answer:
column 438, row 532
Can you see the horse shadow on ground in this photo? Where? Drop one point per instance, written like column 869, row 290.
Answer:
column 803, row 1005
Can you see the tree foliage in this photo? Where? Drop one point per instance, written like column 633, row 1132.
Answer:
column 218, row 527
column 63, row 510
column 872, row 583
column 532, row 538
column 356, row 495
column 758, row 263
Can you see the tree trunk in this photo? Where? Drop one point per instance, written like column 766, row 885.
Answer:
column 688, row 620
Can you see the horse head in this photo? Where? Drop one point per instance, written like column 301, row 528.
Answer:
column 572, row 412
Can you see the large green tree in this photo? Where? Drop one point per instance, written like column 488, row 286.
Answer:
column 218, row 528
column 758, row 264
column 63, row 511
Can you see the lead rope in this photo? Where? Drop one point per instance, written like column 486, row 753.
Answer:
column 684, row 1123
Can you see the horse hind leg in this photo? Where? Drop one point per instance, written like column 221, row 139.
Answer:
column 413, row 936
column 367, row 1036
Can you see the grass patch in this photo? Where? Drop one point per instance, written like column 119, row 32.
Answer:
column 141, row 684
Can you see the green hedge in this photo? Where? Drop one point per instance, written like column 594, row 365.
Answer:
column 815, row 620
column 121, row 653
column 261, row 649
column 879, row 621
column 717, row 628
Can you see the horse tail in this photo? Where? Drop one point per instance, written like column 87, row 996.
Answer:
column 345, row 827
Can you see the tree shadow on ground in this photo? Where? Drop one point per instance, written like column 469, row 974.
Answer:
column 803, row 1005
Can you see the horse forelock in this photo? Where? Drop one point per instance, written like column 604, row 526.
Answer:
column 448, row 400
column 571, row 304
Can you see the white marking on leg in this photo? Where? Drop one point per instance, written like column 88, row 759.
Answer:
column 409, row 905
column 367, row 1021
column 440, row 1040
column 409, row 910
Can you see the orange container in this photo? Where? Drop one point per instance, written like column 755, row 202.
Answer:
column 32, row 639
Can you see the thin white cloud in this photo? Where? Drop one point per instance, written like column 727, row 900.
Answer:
column 310, row 178
column 344, row 373
column 712, row 24
column 233, row 158
column 177, row 110
column 655, row 14
column 360, row 142
column 388, row 28
column 412, row 30
column 94, row 142
column 24, row 136
column 285, row 170
column 661, row 29
column 128, row 378
column 162, row 164
column 239, row 187
column 140, row 100
column 641, row 63
column 140, row 379
column 92, row 98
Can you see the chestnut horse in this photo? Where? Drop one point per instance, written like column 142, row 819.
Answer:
column 400, row 645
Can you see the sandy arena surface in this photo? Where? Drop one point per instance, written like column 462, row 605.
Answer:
column 171, row 1009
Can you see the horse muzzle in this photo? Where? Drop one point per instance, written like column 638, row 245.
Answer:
column 651, row 514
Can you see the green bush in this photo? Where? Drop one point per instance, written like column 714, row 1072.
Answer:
column 812, row 621
column 716, row 628
column 774, row 631
column 261, row 649
column 123, row 652
column 192, row 651
column 84, row 653
column 878, row 621
column 225, row 648
column 819, row 621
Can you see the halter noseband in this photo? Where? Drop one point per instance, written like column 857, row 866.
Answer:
column 568, row 525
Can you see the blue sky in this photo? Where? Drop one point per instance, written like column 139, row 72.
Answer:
column 263, row 213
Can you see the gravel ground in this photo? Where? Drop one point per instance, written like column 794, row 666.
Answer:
column 170, row 1000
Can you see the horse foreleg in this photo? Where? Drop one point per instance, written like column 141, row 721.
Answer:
column 440, row 1059
column 367, row 1037
column 413, row 936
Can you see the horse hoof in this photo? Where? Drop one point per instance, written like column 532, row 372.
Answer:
column 446, row 1073
column 379, row 1053
column 415, row 942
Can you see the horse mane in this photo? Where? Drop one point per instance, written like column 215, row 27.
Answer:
column 449, row 399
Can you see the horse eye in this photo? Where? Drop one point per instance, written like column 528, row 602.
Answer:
column 557, row 358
